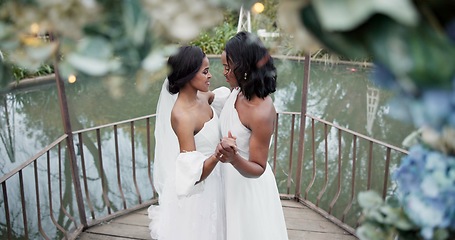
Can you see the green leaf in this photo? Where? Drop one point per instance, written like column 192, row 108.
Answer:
column 345, row 15
column 346, row 44
column 396, row 217
column 441, row 234
column 369, row 199
column 416, row 55
column 419, row 54
column 92, row 66
column 41, row 53
column 370, row 231
column 96, row 47
column 156, row 60
column 136, row 22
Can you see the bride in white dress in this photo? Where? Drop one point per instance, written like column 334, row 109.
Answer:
column 187, row 175
column 253, row 207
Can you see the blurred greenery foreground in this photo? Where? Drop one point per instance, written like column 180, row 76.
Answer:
column 412, row 44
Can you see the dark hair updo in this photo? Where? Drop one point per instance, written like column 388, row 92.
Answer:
column 184, row 65
column 252, row 65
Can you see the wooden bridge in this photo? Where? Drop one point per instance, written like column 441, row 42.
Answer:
column 102, row 192
column 301, row 222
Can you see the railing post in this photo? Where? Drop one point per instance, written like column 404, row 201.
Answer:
column 306, row 79
column 69, row 139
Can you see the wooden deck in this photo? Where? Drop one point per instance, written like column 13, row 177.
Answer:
column 301, row 222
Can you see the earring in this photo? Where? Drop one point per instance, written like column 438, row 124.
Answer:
column 244, row 77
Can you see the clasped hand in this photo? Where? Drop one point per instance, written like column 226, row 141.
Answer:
column 226, row 149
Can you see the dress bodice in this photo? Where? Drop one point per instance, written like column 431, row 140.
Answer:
column 230, row 121
column 209, row 136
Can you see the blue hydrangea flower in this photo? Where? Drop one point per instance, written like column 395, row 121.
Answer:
column 426, row 188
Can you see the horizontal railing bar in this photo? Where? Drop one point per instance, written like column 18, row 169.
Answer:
column 113, row 124
column 351, row 132
column 32, row 159
column 360, row 135
column 318, row 60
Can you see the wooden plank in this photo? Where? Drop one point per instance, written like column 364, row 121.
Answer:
column 143, row 211
column 96, row 236
column 301, row 222
column 121, row 230
column 313, row 226
column 304, row 219
column 133, row 219
column 301, row 235
column 307, row 213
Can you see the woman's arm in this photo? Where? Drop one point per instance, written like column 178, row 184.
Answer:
column 184, row 126
column 261, row 122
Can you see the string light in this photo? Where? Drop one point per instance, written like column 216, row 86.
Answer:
column 34, row 28
column 258, row 7
column 72, row 78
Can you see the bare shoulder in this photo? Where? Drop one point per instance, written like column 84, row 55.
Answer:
column 257, row 113
column 180, row 117
column 263, row 109
column 183, row 123
column 262, row 120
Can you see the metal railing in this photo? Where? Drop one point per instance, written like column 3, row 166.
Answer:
column 337, row 163
column 39, row 199
column 115, row 163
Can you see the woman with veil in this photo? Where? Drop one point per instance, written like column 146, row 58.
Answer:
column 187, row 176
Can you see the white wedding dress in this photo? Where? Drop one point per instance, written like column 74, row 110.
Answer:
column 253, row 206
column 187, row 211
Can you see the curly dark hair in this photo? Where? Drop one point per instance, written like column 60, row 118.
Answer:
column 253, row 66
column 184, row 65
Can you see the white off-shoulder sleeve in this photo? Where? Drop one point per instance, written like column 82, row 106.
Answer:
column 221, row 95
column 189, row 166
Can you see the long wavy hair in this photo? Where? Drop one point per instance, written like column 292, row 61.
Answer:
column 184, row 65
column 253, row 66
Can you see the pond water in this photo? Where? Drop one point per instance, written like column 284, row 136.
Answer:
column 30, row 118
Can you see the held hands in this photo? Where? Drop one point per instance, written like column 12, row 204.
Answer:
column 227, row 149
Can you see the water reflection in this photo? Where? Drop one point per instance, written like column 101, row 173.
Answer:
column 30, row 120
column 343, row 95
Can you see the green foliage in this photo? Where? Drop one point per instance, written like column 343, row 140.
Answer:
column 123, row 40
column 383, row 220
column 413, row 50
column 412, row 43
column 12, row 72
column 21, row 73
column 214, row 40
column 115, row 45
